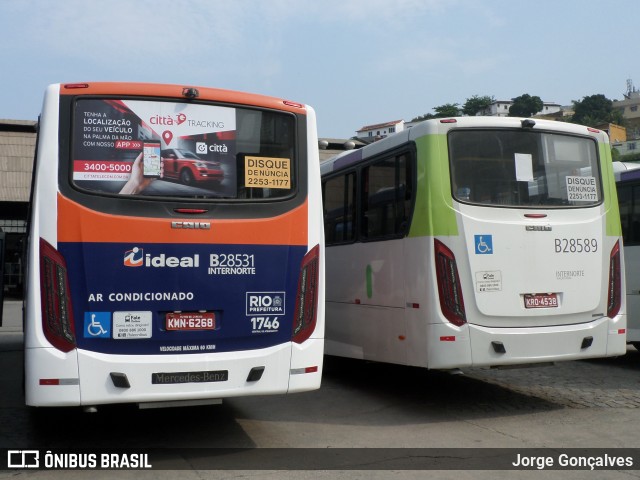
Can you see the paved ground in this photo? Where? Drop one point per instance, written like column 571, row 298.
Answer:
column 361, row 405
column 610, row 383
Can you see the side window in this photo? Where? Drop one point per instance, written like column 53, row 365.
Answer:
column 633, row 231
column 625, row 204
column 386, row 198
column 339, row 209
column 629, row 200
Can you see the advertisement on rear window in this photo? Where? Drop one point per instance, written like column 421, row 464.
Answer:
column 138, row 147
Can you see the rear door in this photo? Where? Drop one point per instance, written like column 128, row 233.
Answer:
column 533, row 216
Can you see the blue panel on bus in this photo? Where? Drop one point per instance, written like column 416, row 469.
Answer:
column 193, row 298
column 630, row 175
column 348, row 159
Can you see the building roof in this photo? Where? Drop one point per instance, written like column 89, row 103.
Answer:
column 17, row 146
column 26, row 123
column 379, row 125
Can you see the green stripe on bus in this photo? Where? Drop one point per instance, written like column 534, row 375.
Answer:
column 611, row 209
column 433, row 214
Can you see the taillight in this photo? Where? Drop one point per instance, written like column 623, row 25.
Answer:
column 305, row 314
column 57, row 315
column 449, row 287
column 614, row 297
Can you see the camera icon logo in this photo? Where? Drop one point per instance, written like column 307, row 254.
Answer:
column 201, row 147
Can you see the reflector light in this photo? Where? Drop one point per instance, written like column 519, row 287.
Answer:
column 57, row 314
column 190, row 210
column 59, row 381
column 449, row 287
column 301, row 371
column 448, row 339
column 622, row 331
column 293, row 104
column 614, row 297
column 305, row 314
column 49, row 381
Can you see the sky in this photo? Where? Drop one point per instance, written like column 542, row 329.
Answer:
column 356, row 62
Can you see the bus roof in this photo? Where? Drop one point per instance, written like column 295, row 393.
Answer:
column 442, row 126
column 180, row 91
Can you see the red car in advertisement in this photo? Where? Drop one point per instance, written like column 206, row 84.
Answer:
column 189, row 169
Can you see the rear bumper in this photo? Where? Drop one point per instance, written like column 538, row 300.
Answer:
column 87, row 378
column 476, row 346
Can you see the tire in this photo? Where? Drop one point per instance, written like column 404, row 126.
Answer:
column 186, row 176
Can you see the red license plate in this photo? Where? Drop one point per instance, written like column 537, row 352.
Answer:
column 541, row 300
column 191, row 321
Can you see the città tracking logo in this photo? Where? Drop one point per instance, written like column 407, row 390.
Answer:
column 134, row 257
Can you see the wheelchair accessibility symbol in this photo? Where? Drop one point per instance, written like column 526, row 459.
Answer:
column 484, row 244
column 97, row 324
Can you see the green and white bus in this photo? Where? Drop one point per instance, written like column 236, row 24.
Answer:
column 475, row 241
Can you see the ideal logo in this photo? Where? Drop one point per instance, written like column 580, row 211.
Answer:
column 136, row 258
column 265, row 302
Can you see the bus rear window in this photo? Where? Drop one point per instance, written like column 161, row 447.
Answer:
column 182, row 150
column 515, row 168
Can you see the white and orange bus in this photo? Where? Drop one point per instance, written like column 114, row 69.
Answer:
column 175, row 251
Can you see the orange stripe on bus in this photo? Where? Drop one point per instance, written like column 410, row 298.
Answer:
column 80, row 224
column 175, row 91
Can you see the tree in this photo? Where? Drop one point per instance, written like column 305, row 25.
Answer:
column 442, row 111
column 615, row 154
column 476, row 104
column 525, row 106
column 447, row 110
column 595, row 110
column 426, row 116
